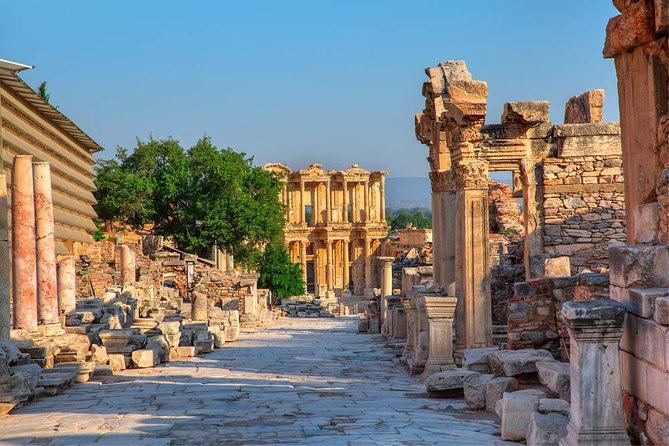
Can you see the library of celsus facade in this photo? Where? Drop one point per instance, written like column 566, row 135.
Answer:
column 335, row 227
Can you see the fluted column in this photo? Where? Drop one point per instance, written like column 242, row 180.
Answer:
column 328, row 203
column 67, row 289
column 23, row 244
column 127, row 265
column 345, row 201
column 47, row 288
column 346, row 272
column 366, row 201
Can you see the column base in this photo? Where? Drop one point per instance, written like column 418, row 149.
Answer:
column 595, row 437
column 432, row 367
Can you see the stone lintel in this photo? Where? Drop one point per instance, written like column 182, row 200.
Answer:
column 586, row 129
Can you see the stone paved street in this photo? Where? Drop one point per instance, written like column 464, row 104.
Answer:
column 304, row 381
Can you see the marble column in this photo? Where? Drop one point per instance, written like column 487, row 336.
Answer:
column 448, row 211
column 346, row 272
column 229, row 263
column 127, row 265
column 409, row 345
column 473, row 317
column 367, row 251
column 366, row 201
column 47, row 285
column 421, row 338
column 383, row 199
column 345, row 201
column 329, row 268
column 533, row 192
column 23, row 244
column 5, row 262
column 437, row 246
column 596, row 417
column 67, row 287
column 328, row 203
column 386, row 284
column 440, row 311
column 302, row 218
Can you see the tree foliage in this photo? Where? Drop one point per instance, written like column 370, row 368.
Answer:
column 200, row 197
column 42, row 92
column 416, row 217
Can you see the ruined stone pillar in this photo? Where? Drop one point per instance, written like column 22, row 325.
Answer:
column 386, row 284
column 437, row 245
column 448, row 232
column 532, row 179
column 383, row 198
column 367, row 251
column 596, row 417
column 23, row 244
column 199, row 307
column 47, row 288
column 421, row 337
column 229, row 263
column 440, row 311
column 409, row 345
column 473, row 314
column 67, row 289
column 346, row 272
column 127, row 265
column 5, row 262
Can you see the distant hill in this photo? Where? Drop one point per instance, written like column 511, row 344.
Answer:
column 410, row 192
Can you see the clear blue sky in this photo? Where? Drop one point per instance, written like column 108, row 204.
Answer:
column 298, row 82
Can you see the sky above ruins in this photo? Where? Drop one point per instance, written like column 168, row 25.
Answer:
column 336, row 82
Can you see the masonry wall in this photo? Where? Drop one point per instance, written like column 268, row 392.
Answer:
column 584, row 209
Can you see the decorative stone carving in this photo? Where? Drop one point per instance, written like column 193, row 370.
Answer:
column 472, row 174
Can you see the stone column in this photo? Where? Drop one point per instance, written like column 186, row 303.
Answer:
column 345, row 201
column 229, row 263
column 303, row 260
column 382, row 192
column 368, row 267
column 366, row 201
column 437, row 246
column 448, row 212
column 301, row 213
column 67, row 286
column 421, row 337
column 346, row 272
column 23, row 244
column 596, row 417
column 409, row 345
column 532, row 179
column 440, row 311
column 127, row 265
column 329, row 267
column 47, row 288
column 286, row 193
column 473, row 313
column 328, row 203
column 5, row 262
column 386, row 284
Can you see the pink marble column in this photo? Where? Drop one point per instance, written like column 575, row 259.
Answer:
column 127, row 265
column 47, row 288
column 67, row 291
column 23, row 244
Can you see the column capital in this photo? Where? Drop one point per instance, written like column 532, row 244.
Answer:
column 443, row 181
column 385, row 260
column 440, row 307
column 599, row 320
column 472, row 174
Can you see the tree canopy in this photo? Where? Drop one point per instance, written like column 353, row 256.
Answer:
column 200, row 197
column 417, row 217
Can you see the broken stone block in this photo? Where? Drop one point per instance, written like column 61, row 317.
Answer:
column 10, row 351
column 186, row 351
column 516, row 362
column 205, row 345
column 145, row 358
column 640, row 301
column 661, row 315
column 474, row 391
column 115, row 338
column 103, row 370
column 99, row 354
column 169, row 327
column 199, row 307
column 643, row 266
column 528, row 112
column 495, row 388
column 476, row 359
column 556, row 376
column 548, row 405
column 516, row 411
column 585, row 108
column 449, row 383
column 546, row 429
column 557, row 267
column 117, row 362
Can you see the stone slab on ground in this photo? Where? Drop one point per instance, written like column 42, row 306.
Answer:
column 477, row 359
column 517, row 362
column 495, row 388
column 449, row 383
column 516, row 410
column 474, row 391
column 546, row 429
column 145, row 358
column 273, row 386
column 556, row 376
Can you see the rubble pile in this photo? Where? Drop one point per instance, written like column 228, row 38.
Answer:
column 305, row 308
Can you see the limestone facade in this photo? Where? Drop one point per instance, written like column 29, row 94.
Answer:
column 335, row 227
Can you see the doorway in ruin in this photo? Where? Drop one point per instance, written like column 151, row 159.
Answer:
column 311, row 283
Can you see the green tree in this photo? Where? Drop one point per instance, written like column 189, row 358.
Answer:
column 415, row 217
column 41, row 91
column 278, row 273
column 121, row 195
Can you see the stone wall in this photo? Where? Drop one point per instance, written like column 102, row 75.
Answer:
column 534, row 309
column 584, row 209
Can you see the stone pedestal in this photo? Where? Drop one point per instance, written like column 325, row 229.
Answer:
column 399, row 330
column 199, row 307
column 67, row 290
column 23, row 244
column 127, row 265
column 410, row 311
column 422, row 338
column 595, row 328
column 47, row 288
column 440, row 311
